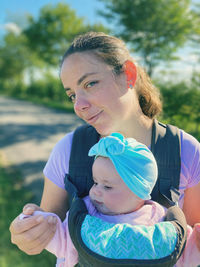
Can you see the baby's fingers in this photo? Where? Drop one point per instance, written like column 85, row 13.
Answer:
column 29, row 208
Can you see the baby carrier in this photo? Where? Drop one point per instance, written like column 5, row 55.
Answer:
column 85, row 229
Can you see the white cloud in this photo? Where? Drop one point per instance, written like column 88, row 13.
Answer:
column 12, row 27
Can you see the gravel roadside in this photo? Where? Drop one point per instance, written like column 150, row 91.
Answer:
column 28, row 132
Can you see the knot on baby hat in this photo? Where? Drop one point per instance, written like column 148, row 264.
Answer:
column 133, row 161
column 113, row 144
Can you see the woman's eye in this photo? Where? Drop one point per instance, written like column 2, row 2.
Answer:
column 72, row 97
column 90, row 84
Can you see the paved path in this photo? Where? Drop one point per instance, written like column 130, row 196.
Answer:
column 28, row 133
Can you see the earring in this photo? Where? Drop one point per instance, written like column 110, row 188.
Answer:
column 130, row 84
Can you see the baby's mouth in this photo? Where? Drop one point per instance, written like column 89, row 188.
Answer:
column 97, row 203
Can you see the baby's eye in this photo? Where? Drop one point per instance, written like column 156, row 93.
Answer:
column 90, row 84
column 95, row 183
column 107, row 187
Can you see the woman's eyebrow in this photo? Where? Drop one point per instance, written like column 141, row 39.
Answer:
column 81, row 79
column 84, row 77
column 67, row 89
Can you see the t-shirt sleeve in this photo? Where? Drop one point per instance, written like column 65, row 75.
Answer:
column 190, row 159
column 57, row 165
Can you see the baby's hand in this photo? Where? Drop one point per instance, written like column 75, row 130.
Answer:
column 29, row 208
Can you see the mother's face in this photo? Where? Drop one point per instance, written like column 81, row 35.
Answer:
column 100, row 98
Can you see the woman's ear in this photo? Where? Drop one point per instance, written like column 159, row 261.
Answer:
column 130, row 71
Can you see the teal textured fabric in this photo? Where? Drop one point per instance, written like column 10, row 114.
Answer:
column 125, row 241
column 133, row 161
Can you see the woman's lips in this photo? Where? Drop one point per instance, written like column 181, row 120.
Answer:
column 94, row 118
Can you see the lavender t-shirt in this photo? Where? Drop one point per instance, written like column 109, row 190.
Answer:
column 58, row 163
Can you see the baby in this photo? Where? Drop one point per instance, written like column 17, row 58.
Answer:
column 124, row 174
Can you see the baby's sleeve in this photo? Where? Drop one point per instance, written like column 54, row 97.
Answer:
column 58, row 244
column 61, row 244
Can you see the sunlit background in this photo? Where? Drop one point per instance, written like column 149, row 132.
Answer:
column 162, row 35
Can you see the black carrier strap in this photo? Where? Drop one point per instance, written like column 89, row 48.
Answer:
column 79, row 180
column 165, row 145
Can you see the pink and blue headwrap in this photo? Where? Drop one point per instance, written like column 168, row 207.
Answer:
column 133, row 161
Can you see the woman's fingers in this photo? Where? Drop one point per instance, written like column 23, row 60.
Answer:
column 42, row 241
column 19, row 226
column 28, row 234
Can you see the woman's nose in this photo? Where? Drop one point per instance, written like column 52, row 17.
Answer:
column 81, row 103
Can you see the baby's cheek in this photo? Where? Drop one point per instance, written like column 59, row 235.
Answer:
column 91, row 192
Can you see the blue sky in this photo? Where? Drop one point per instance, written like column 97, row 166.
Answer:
column 87, row 9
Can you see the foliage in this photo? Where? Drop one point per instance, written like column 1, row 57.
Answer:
column 12, row 198
column 54, row 29
column 13, row 57
column 195, row 40
column 48, row 86
column 47, row 91
column 181, row 105
column 155, row 29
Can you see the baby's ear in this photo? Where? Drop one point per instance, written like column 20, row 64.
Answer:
column 130, row 71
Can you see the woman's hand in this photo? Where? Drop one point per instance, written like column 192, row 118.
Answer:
column 197, row 230
column 32, row 234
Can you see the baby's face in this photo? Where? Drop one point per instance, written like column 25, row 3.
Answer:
column 109, row 194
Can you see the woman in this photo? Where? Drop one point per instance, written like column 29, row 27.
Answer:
column 113, row 94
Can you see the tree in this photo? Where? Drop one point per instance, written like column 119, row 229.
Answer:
column 181, row 105
column 54, row 29
column 155, row 29
column 196, row 36
column 13, row 59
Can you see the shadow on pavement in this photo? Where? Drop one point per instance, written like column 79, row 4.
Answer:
column 26, row 132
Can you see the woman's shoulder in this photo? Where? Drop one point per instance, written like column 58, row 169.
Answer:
column 190, row 147
column 189, row 142
column 64, row 142
column 58, row 163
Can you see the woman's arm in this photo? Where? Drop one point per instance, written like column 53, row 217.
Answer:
column 33, row 234
column 54, row 199
column 191, row 206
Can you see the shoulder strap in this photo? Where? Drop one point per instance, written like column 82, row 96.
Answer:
column 165, row 145
column 79, row 180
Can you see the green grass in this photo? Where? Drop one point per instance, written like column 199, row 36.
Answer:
column 12, row 198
